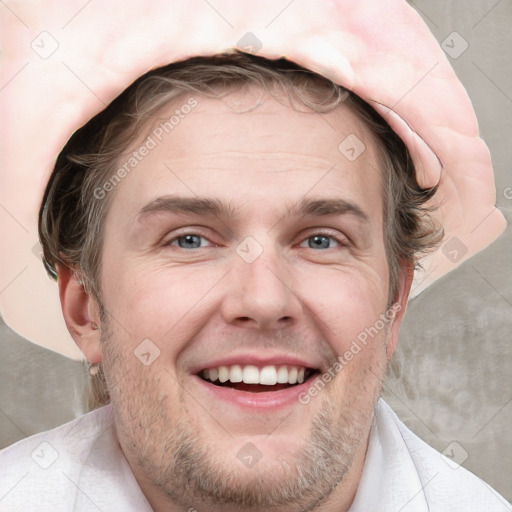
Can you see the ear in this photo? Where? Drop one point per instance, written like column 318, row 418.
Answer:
column 397, row 309
column 81, row 314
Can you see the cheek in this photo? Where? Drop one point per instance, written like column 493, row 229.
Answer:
column 347, row 310
column 155, row 300
column 345, row 301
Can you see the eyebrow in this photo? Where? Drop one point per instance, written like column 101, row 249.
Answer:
column 215, row 207
column 324, row 207
column 194, row 205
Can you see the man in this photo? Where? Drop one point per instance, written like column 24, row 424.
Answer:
column 236, row 279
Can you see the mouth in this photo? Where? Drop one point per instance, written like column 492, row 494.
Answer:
column 254, row 379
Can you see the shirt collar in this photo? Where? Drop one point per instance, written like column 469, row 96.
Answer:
column 390, row 479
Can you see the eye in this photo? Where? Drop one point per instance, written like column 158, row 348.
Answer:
column 189, row 241
column 320, row 241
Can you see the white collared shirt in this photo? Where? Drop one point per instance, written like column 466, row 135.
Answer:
column 79, row 466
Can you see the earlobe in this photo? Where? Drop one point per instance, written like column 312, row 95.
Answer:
column 397, row 309
column 81, row 314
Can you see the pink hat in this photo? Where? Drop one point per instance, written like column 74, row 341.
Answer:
column 62, row 63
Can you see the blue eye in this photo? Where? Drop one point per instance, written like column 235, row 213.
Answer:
column 188, row 241
column 321, row 242
column 193, row 241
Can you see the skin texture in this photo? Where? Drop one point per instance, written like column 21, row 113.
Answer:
column 199, row 304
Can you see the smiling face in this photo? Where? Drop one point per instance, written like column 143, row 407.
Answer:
column 242, row 257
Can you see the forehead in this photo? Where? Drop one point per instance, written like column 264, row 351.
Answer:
column 261, row 117
column 249, row 144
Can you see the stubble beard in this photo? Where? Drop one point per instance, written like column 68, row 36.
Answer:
column 167, row 448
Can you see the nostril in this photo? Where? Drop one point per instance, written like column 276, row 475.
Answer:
column 244, row 318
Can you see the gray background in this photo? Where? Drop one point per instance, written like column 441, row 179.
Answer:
column 450, row 379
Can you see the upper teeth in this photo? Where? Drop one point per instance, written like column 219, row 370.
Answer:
column 268, row 375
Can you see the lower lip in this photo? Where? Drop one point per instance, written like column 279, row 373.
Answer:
column 262, row 401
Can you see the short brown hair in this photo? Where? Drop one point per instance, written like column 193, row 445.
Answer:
column 71, row 215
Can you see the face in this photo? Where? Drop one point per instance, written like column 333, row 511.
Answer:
column 247, row 247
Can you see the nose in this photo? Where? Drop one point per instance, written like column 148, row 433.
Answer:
column 260, row 294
